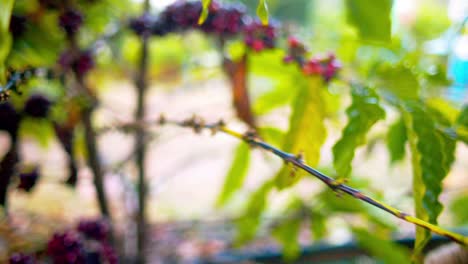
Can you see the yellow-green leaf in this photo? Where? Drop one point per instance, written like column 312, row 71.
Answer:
column 236, row 175
column 396, row 140
column 307, row 131
column 205, row 11
column 371, row 18
column 432, row 154
column 262, row 11
column 248, row 224
column 363, row 113
column 6, row 6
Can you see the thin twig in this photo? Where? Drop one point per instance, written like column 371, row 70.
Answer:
column 198, row 124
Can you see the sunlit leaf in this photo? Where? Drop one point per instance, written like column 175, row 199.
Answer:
column 396, row 140
column 6, row 6
column 371, row 18
column 399, row 82
column 236, row 174
column 205, row 11
column 307, row 131
column 363, row 113
column 262, row 11
column 280, row 95
column 39, row 129
column 458, row 208
column 432, row 155
column 381, row 248
column 248, row 224
column 318, row 224
column 462, row 119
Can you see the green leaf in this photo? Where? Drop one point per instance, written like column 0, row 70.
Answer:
column 432, row 154
column 396, row 140
column 462, row 119
column 307, row 131
column 363, row 113
column 318, row 224
column 237, row 173
column 371, row 18
column 248, row 224
column 287, row 231
column 280, row 95
column 458, row 208
column 399, row 82
column 6, row 6
column 262, row 11
column 205, row 11
column 37, row 128
column 381, row 248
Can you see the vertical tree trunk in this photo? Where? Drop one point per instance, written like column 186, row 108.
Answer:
column 7, row 168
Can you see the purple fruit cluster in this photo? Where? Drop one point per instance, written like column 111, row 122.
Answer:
column 70, row 20
column 80, row 63
column 66, row 247
column 224, row 20
column 22, row 258
column 97, row 229
column 37, row 105
column 325, row 66
column 27, row 180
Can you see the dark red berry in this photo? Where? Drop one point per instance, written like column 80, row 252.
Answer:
column 97, row 229
column 22, row 258
column 183, row 15
column 9, row 118
column 70, row 20
column 66, row 247
column 259, row 36
column 109, row 254
column 83, row 63
column 224, row 19
column 17, row 25
column 37, row 106
column 28, row 179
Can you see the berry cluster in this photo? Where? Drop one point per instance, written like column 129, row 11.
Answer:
column 327, row 66
column 224, row 20
column 80, row 63
column 28, row 179
column 10, row 118
column 259, row 36
column 22, row 258
column 66, row 247
column 97, row 229
column 37, row 105
column 70, row 20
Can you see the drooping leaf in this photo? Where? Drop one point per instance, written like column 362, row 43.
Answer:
column 236, row 174
column 6, row 6
column 396, row 140
column 237, row 74
column 287, row 231
column 432, row 155
column 371, row 18
column 399, row 82
column 381, row 248
column 248, row 224
column 205, row 11
column 307, row 131
column 262, row 11
column 318, row 224
column 363, row 113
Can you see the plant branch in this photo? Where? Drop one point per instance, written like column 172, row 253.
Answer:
column 253, row 140
column 140, row 139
